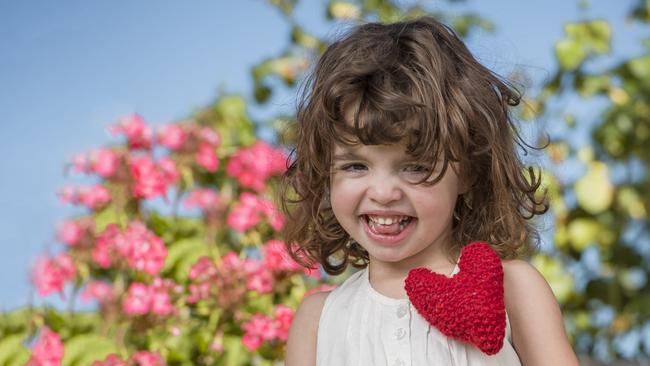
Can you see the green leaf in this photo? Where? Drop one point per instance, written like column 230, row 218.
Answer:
column 589, row 85
column 236, row 353
column 640, row 68
column 12, row 349
column 15, row 321
column 182, row 255
column 594, row 191
column 583, row 40
column 83, row 349
column 570, row 54
column 105, row 217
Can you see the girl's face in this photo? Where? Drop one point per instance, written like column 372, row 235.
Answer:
column 375, row 199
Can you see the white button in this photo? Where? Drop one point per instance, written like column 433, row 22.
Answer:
column 400, row 333
column 398, row 362
column 401, row 311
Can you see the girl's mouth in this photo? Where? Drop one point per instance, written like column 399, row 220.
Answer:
column 388, row 230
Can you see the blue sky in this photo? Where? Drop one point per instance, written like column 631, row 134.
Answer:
column 69, row 69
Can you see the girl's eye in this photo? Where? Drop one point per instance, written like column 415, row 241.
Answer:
column 353, row 167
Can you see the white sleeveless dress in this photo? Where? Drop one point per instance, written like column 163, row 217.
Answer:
column 360, row 327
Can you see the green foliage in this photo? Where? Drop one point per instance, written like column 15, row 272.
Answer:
column 83, row 349
column 610, row 205
column 583, row 40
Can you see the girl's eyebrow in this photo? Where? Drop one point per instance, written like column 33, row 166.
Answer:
column 347, row 155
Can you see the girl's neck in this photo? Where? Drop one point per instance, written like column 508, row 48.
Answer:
column 388, row 278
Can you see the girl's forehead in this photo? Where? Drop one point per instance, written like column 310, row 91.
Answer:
column 360, row 150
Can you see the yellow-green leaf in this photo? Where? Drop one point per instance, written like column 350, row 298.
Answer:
column 594, row 190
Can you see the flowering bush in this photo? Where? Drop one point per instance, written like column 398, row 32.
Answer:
column 177, row 245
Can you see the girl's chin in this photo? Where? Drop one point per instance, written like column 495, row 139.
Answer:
column 387, row 255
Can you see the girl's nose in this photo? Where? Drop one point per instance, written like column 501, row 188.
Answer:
column 384, row 191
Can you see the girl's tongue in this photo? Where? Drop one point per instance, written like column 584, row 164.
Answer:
column 392, row 229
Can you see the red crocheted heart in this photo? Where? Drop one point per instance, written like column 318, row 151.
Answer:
column 468, row 306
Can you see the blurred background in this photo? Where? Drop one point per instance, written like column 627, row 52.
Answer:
column 70, row 69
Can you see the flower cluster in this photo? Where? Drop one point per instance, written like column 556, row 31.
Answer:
column 250, row 210
column 50, row 274
column 103, row 162
column 116, row 259
column 204, row 198
column 254, row 165
column 142, row 299
column 191, row 139
column 261, row 328
column 47, row 351
column 97, row 290
column 134, row 128
column 222, row 279
column 75, row 232
column 141, row 248
column 94, row 197
column 151, row 178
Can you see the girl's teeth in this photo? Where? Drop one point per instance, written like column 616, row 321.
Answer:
column 386, row 221
column 381, row 224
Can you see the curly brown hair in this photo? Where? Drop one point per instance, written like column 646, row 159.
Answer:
column 412, row 81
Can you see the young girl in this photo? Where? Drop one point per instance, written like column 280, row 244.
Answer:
column 406, row 166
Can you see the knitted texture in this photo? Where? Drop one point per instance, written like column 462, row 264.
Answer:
column 468, row 306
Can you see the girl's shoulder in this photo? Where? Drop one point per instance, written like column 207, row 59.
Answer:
column 301, row 345
column 535, row 315
column 522, row 282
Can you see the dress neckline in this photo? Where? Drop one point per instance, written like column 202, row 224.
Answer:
column 386, row 299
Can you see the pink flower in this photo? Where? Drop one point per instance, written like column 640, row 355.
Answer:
column 172, row 136
column 276, row 257
column 70, row 232
column 137, row 300
column 145, row 251
column 242, row 217
column 161, row 302
column 283, row 318
column 79, row 163
column 105, row 244
column 258, row 329
column 104, row 162
column 246, row 213
column 203, row 269
column 207, row 158
column 210, row 136
column 149, row 181
column 138, row 134
column 232, row 261
column 48, row 350
column 144, row 358
column 51, row 274
column 111, row 360
column 94, row 197
column 168, row 167
column 97, row 290
column 252, row 342
column 254, row 165
column 217, row 345
column 274, row 217
column 206, row 199
column 141, row 248
column 259, row 278
column 68, row 195
column 198, row 292
column 142, row 299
